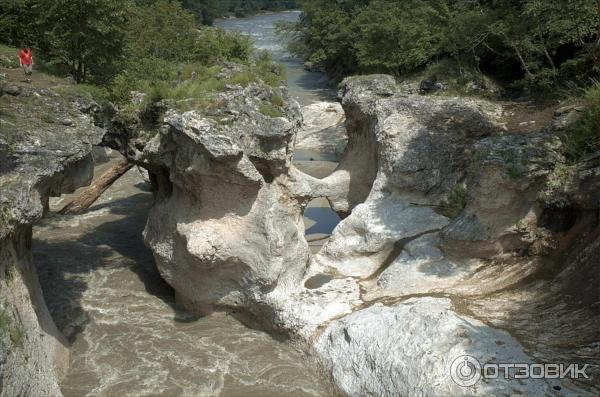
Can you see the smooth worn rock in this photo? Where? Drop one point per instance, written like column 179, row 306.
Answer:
column 322, row 129
column 365, row 240
column 67, row 122
column 420, row 268
column 408, row 349
column 320, row 299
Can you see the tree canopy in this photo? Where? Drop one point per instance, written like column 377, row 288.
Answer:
column 534, row 43
column 98, row 40
column 207, row 10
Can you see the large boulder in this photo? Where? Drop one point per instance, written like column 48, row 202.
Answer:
column 409, row 349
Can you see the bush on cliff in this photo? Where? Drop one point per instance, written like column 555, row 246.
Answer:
column 583, row 137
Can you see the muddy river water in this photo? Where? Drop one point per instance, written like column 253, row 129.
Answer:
column 127, row 335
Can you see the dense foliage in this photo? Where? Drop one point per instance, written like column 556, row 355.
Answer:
column 82, row 38
column 101, row 41
column 530, row 43
column 127, row 47
column 207, row 10
column 583, row 137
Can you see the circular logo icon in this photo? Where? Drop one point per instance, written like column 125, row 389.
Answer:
column 465, row 371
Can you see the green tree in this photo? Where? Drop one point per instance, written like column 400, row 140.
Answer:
column 163, row 30
column 18, row 22
column 160, row 36
column 205, row 10
column 537, row 44
column 83, row 37
column 397, row 37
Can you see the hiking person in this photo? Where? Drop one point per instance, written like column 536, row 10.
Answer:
column 26, row 58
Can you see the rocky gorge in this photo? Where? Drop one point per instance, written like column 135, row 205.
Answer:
column 226, row 233
column 459, row 236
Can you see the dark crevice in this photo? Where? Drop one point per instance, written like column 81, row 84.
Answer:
column 262, row 166
column 558, row 220
column 162, row 187
column 317, row 281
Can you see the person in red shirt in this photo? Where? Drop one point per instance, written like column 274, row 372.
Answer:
column 26, row 61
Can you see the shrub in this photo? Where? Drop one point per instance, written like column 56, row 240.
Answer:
column 270, row 73
column 277, row 100
column 9, row 57
column 455, row 203
column 584, row 136
column 270, row 110
column 243, row 78
column 213, row 45
column 121, row 89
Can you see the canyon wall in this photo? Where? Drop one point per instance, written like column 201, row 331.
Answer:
column 463, row 246
column 38, row 160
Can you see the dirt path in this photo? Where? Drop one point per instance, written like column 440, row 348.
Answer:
column 526, row 117
column 38, row 79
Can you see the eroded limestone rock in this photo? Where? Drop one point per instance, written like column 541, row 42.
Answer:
column 322, row 128
column 511, row 247
column 39, row 159
column 365, row 240
column 409, row 152
column 226, row 231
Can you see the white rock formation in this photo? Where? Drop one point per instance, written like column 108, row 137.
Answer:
column 422, row 150
column 408, row 350
column 363, row 242
column 420, row 268
column 227, row 233
column 322, row 128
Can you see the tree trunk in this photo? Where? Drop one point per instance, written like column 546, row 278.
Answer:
column 598, row 41
column 523, row 64
column 92, row 193
column 79, row 71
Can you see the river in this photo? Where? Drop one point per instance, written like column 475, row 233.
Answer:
column 307, row 88
column 127, row 335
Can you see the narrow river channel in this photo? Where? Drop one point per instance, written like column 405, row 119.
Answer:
column 127, row 335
